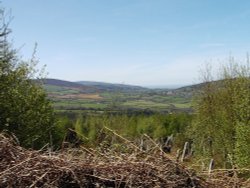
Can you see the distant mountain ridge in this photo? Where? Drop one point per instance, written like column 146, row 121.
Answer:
column 111, row 86
column 63, row 83
column 104, row 86
column 93, row 86
column 101, row 96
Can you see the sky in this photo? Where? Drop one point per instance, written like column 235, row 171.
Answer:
column 140, row 42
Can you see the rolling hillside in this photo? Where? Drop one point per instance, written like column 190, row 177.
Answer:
column 100, row 96
column 102, row 86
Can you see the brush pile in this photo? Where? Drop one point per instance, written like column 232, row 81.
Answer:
column 91, row 168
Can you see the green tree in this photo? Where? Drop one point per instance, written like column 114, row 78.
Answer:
column 24, row 108
column 221, row 125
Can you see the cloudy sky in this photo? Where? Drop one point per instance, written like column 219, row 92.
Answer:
column 141, row 42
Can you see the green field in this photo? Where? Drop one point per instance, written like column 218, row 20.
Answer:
column 65, row 98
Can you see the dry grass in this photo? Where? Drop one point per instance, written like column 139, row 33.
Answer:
column 99, row 167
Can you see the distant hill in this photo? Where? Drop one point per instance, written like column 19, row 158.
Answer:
column 92, row 87
column 62, row 83
column 188, row 91
column 91, row 96
column 191, row 89
column 100, row 96
column 112, row 87
column 56, row 83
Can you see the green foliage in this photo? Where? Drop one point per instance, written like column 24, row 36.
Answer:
column 90, row 128
column 24, row 108
column 242, row 151
column 80, row 127
column 220, row 128
column 63, row 123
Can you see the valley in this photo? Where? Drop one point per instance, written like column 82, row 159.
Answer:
column 98, row 96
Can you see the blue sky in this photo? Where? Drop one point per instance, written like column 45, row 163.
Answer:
column 141, row 42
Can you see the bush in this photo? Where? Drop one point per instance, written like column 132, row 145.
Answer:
column 221, row 126
column 24, row 108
